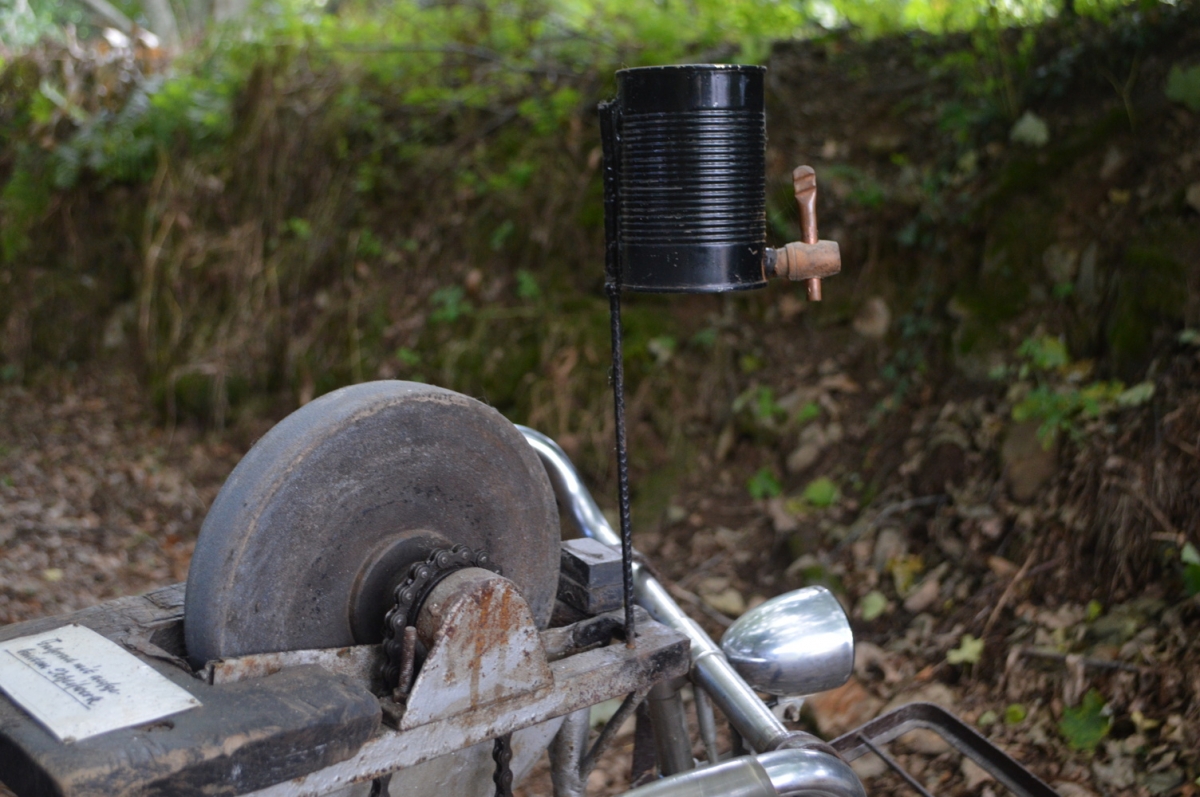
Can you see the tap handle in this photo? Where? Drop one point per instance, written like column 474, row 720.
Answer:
column 804, row 183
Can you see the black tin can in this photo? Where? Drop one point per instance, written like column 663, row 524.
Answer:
column 685, row 178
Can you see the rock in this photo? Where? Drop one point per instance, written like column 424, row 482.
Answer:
column 973, row 774
column 1028, row 466
column 1193, row 196
column 873, row 319
column 1030, row 130
column 841, row 709
column 923, row 596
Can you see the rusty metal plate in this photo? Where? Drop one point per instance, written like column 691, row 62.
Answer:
column 309, row 508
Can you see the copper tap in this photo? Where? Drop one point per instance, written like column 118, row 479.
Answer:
column 809, row 259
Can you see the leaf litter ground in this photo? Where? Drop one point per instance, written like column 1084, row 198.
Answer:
column 959, row 594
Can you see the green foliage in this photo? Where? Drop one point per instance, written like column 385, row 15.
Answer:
column 1190, row 558
column 1085, row 726
column 1060, row 401
column 821, row 492
column 761, row 404
column 705, row 338
column 1060, row 409
column 808, row 411
column 449, row 304
column 527, row 286
column 1044, row 353
column 764, row 484
column 872, row 605
column 1183, row 86
column 1015, row 713
column 969, row 651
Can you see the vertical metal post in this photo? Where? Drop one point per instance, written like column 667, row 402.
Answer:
column 671, row 739
column 612, row 267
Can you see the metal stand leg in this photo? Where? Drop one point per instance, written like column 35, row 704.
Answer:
column 671, row 740
column 566, row 755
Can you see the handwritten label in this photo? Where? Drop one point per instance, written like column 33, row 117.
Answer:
column 78, row 684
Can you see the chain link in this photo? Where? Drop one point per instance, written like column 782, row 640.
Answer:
column 422, row 576
column 502, row 755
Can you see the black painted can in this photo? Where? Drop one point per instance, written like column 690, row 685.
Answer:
column 685, row 178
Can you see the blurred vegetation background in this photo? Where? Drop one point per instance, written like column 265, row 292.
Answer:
column 252, row 202
column 235, row 206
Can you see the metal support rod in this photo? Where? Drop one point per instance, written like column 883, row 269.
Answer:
column 672, row 743
column 566, row 755
column 782, row 773
column 707, row 723
column 894, row 765
column 623, row 712
column 761, row 729
column 618, row 384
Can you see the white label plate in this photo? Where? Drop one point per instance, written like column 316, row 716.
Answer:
column 79, row 684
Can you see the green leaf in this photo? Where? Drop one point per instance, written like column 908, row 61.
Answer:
column 1191, row 579
column 527, row 286
column 1015, row 713
column 407, row 356
column 987, row 718
column 1045, row 353
column 822, row 492
column 872, row 605
column 1191, row 569
column 764, row 484
column 449, row 303
column 1137, row 395
column 1183, row 86
column 662, row 348
column 1190, row 337
column 807, row 412
column 705, row 338
column 969, row 651
column 1094, row 610
column 1085, row 725
column 749, row 363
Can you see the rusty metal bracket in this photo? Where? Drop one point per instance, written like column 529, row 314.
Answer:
column 580, row 680
column 871, row 737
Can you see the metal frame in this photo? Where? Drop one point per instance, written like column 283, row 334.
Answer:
column 871, row 738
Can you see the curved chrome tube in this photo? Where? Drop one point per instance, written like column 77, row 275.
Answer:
column 805, row 771
column 782, row 773
column 760, row 729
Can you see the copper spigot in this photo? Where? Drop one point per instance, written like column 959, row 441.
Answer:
column 809, row 259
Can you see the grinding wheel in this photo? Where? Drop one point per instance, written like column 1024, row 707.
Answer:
column 322, row 518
